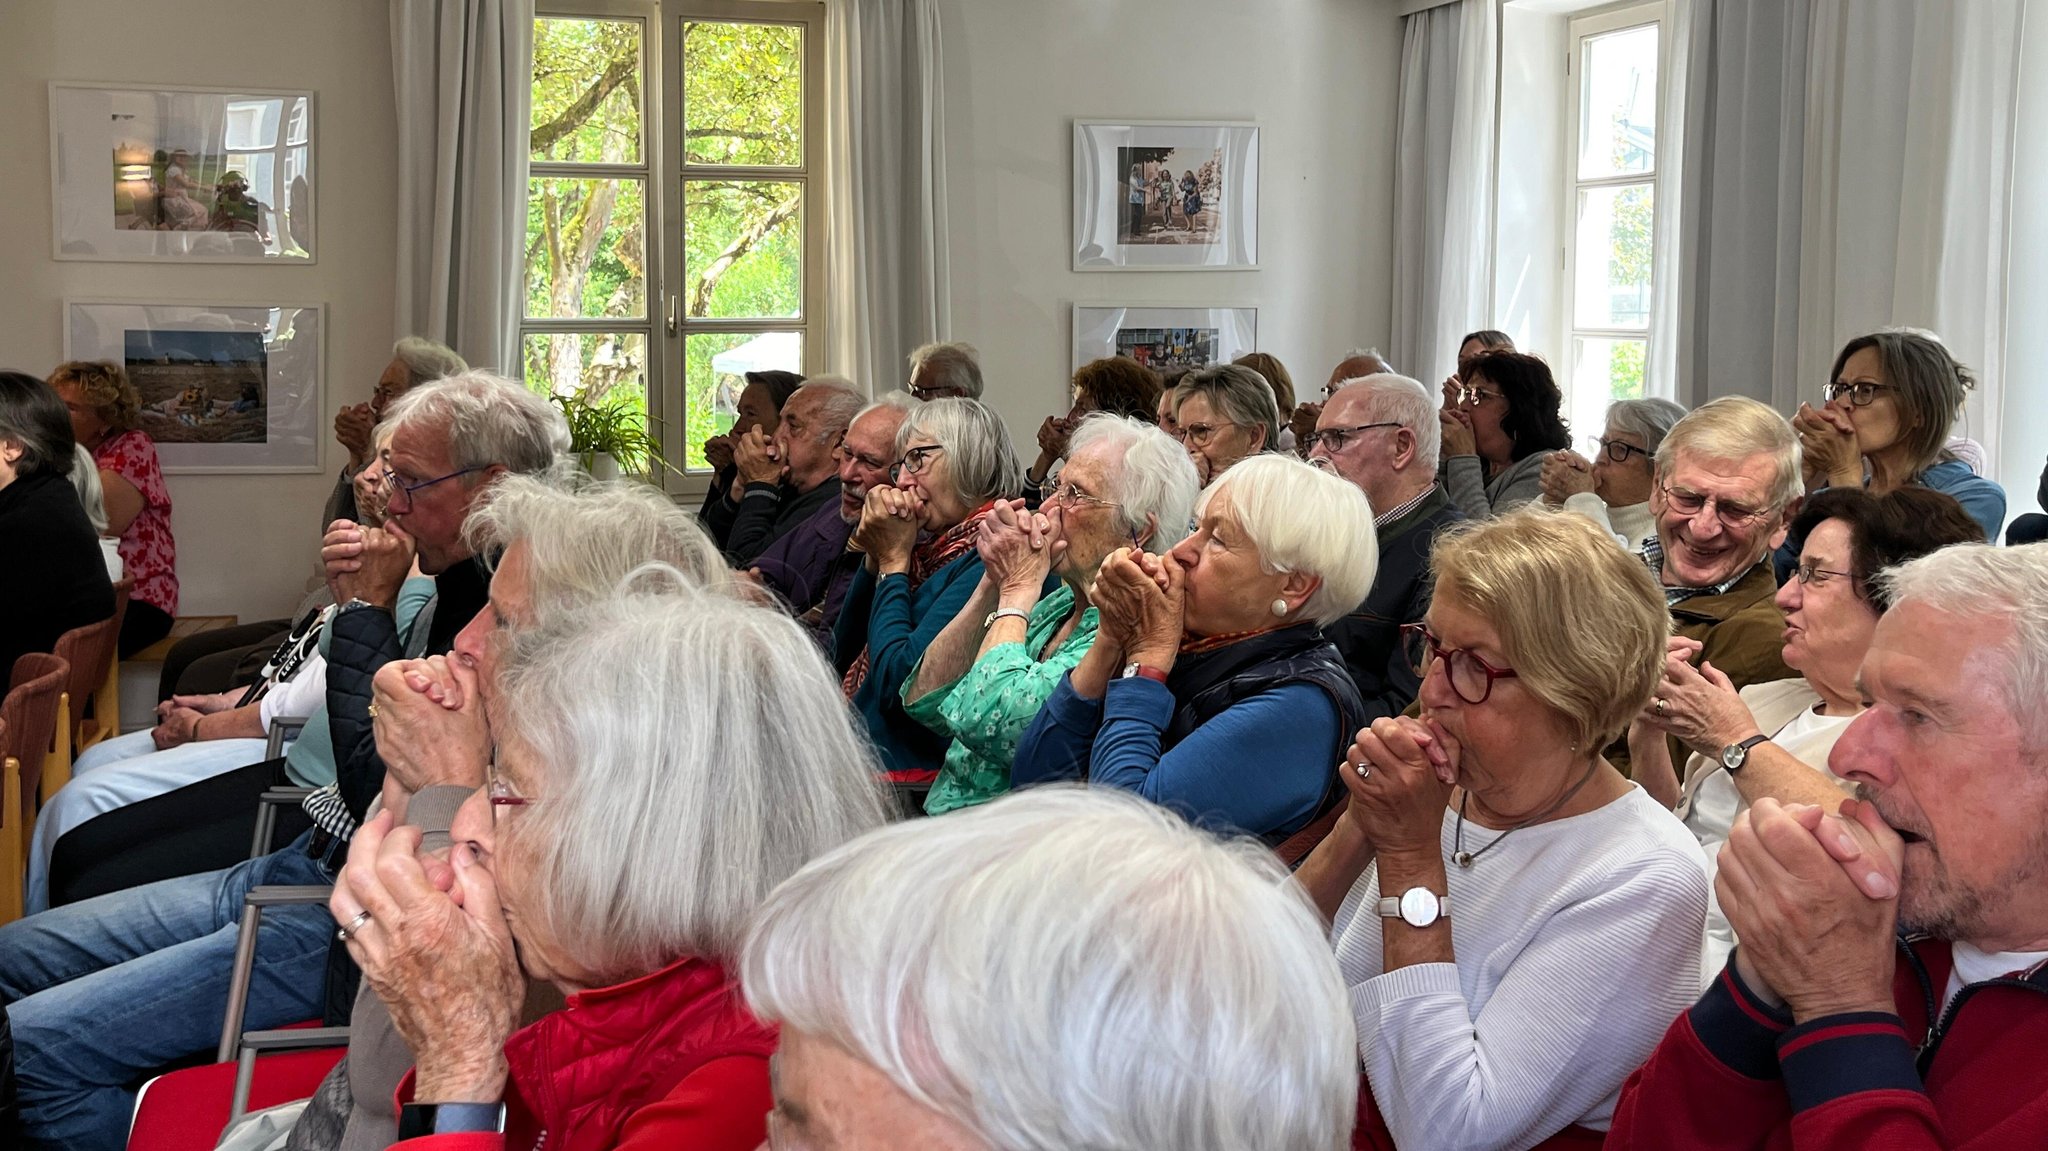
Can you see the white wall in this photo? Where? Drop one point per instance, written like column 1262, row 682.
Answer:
column 246, row 544
column 1318, row 75
column 2023, row 441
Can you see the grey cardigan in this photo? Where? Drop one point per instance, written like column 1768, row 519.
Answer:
column 1479, row 498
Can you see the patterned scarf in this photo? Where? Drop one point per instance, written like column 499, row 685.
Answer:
column 925, row 560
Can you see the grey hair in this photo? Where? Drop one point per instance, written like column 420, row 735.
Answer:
column 1650, row 418
column 1239, row 394
column 1078, row 968
column 902, row 402
column 1391, row 398
column 1732, row 429
column 697, row 751
column 1990, row 582
column 1152, row 480
column 583, row 536
column 979, row 457
column 956, row 365
column 487, row 420
column 426, row 361
column 838, row 402
column 1369, row 354
column 1304, row 519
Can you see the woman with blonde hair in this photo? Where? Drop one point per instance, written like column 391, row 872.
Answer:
column 1517, row 922
column 106, row 417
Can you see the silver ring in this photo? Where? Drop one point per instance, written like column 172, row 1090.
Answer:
column 1660, row 707
column 353, row 926
column 1363, row 769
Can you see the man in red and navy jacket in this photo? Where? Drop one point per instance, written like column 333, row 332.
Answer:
column 1828, row 1031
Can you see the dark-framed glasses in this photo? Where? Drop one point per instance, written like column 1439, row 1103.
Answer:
column 1469, row 675
column 915, row 461
column 1197, row 434
column 1689, row 503
column 1472, row 396
column 1618, row 450
column 1335, row 440
column 393, row 485
column 1860, row 394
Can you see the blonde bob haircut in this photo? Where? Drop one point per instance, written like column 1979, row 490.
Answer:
column 105, row 385
column 1581, row 621
column 1732, row 429
column 1303, row 519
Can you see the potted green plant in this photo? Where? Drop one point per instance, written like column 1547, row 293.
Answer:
column 610, row 436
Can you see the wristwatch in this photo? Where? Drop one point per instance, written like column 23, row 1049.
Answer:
column 1144, row 671
column 416, row 1120
column 1417, row 907
column 1004, row 613
column 1736, row 754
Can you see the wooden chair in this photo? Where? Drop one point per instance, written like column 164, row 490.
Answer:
column 29, row 718
column 109, row 724
column 89, row 650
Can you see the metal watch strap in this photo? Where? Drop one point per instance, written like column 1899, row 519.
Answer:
column 1003, row 613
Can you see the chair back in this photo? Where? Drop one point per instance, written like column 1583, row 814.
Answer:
column 29, row 716
column 90, row 652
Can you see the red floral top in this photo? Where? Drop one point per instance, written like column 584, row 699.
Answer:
column 149, row 555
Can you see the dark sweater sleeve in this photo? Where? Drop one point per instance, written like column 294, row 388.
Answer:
column 718, row 512
column 363, row 640
column 753, row 524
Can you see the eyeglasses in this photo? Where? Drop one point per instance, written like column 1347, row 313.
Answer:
column 915, row 461
column 1197, row 434
column 1067, row 493
column 1811, row 576
column 1470, row 676
column 1860, row 394
column 393, row 485
column 498, row 791
column 1619, row 450
column 932, row 391
column 1334, row 440
column 1689, row 503
column 842, row 453
column 1475, row 396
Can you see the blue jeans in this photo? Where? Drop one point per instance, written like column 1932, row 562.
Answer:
column 102, row 993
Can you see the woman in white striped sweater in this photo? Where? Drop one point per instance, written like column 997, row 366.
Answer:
column 1517, row 922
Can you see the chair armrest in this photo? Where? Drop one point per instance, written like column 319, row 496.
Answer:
column 243, row 972
column 279, row 725
column 281, row 895
column 255, row 1043
column 266, row 813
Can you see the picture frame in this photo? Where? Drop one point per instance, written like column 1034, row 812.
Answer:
column 1159, row 195
column 225, row 388
column 182, row 175
column 1164, row 336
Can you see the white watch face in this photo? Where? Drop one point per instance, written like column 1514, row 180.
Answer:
column 1419, row 907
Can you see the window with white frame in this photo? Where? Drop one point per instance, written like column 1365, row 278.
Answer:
column 670, row 253
column 1610, row 204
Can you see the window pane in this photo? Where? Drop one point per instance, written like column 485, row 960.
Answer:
column 742, row 94
column 586, row 249
column 742, row 249
column 586, row 91
column 606, row 370
column 714, row 374
column 1613, row 268
column 1603, row 370
column 1618, row 103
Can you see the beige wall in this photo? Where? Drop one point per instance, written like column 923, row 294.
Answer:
column 1318, row 75
column 247, row 545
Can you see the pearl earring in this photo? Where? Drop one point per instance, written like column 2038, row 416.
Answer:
column 1280, row 607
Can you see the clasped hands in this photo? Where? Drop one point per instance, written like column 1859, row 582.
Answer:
column 366, row 563
column 1016, row 547
column 429, row 724
column 1829, row 448
column 756, row 461
column 1400, row 772
column 1565, row 473
column 1139, row 599
column 1699, row 705
column 887, row 531
column 1813, row 899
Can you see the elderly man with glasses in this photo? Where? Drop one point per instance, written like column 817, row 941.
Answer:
column 1381, row 434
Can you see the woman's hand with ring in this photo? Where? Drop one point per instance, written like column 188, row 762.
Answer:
column 1398, row 800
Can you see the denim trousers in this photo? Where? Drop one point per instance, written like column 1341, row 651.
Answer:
column 102, row 993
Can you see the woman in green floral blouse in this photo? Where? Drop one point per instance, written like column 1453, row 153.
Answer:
column 1126, row 483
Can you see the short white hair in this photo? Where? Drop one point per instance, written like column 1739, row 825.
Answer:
column 1151, row 478
column 838, row 402
column 1304, row 519
column 486, row 419
column 1988, row 581
column 426, row 361
column 1075, row 968
column 1650, row 417
column 1730, row 430
column 697, row 752
column 979, row 455
column 583, row 536
column 1391, row 398
column 956, row 365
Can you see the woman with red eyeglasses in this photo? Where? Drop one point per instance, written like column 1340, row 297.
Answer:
column 1518, row 923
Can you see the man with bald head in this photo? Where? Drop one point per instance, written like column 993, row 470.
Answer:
column 792, row 470
column 1357, row 364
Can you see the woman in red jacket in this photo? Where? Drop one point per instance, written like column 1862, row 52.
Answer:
column 663, row 759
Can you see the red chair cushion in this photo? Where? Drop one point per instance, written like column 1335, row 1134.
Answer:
column 187, row 1110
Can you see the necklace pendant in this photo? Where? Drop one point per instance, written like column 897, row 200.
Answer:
column 1462, row 859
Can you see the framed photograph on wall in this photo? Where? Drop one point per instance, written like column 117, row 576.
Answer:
column 224, row 387
column 1163, row 195
column 1164, row 337
column 181, row 174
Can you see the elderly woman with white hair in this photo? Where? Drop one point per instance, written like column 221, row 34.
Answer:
column 1518, row 922
column 1036, row 992
column 1224, row 414
column 954, row 462
column 1613, row 489
column 662, row 762
column 1125, row 483
column 1210, row 687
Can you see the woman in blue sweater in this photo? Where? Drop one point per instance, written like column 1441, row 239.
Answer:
column 1210, row 687
column 954, row 461
column 1892, row 399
